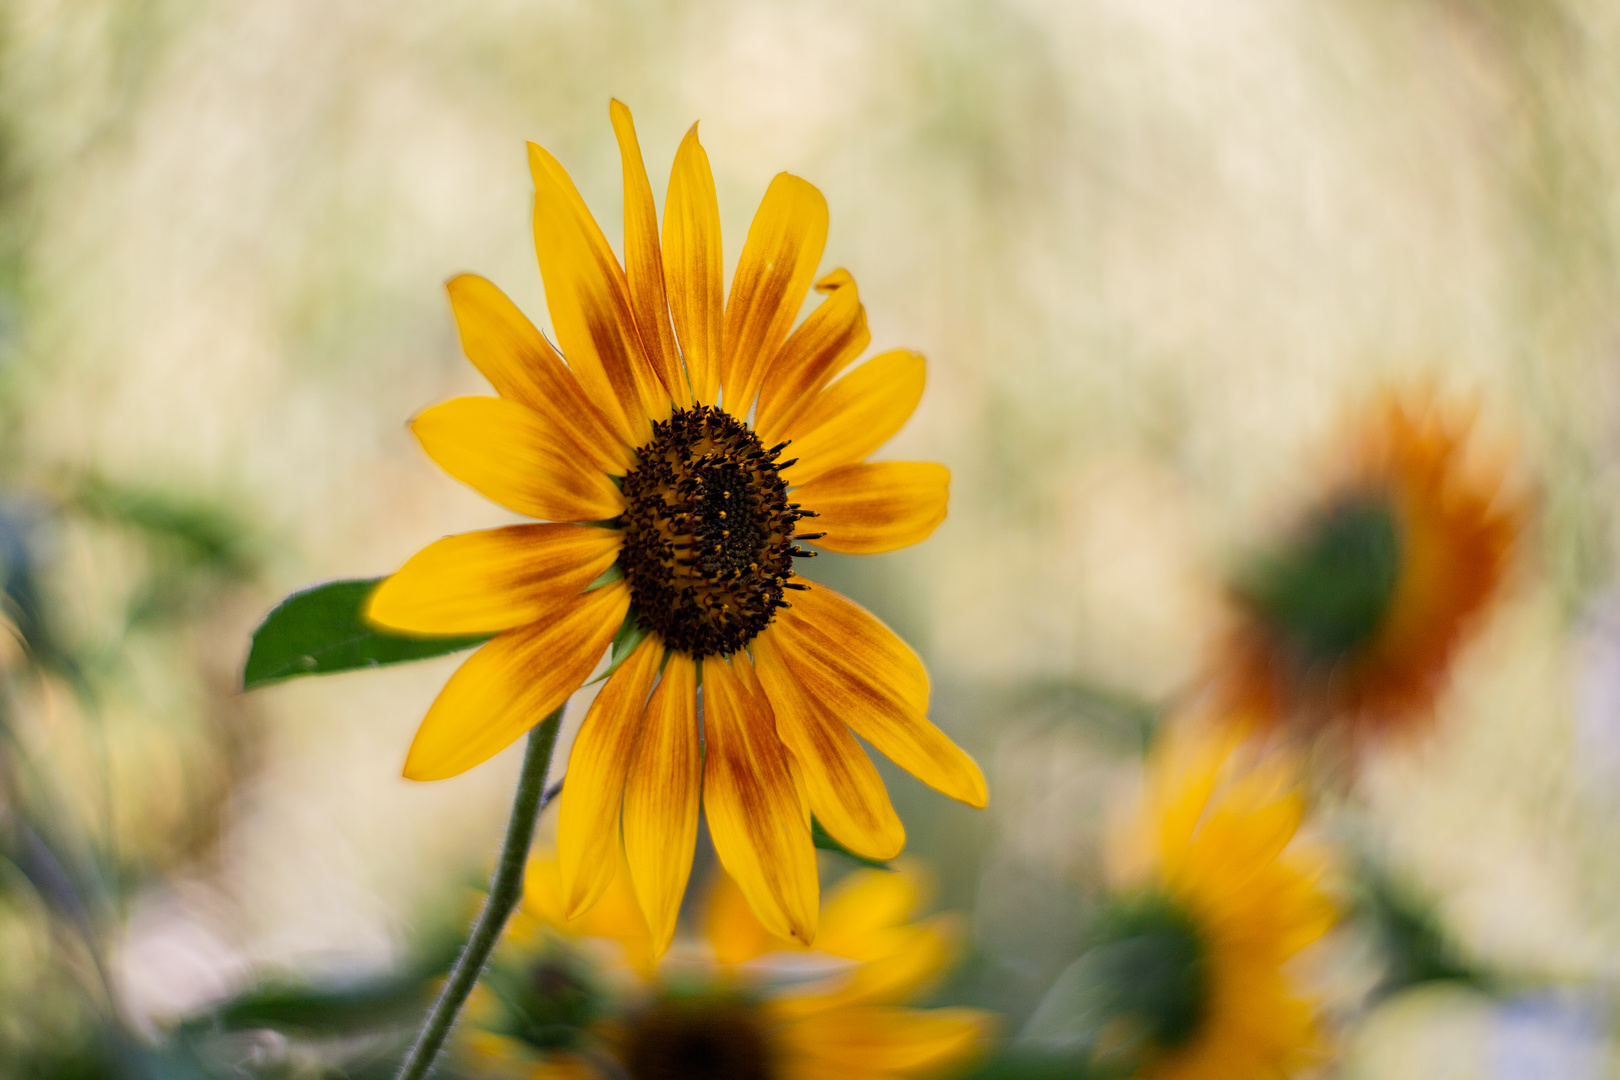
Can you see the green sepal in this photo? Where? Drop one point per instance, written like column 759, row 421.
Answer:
column 823, row 840
column 631, row 633
column 320, row 631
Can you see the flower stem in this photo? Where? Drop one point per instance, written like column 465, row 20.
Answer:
column 505, row 890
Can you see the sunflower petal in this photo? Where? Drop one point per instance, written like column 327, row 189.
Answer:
column 731, row 928
column 887, row 1040
column 823, row 345
column 511, row 684
column 661, row 799
column 589, row 302
column 692, row 266
column 505, row 452
column 846, row 793
column 862, row 673
column 773, row 274
column 876, row 506
column 643, row 264
column 588, row 820
column 855, row 415
column 865, row 916
column 483, row 582
column 523, row 367
column 757, row 815
column 929, row 949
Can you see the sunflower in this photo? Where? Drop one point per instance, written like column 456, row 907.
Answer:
column 1352, row 622
column 583, row 998
column 1190, row 973
column 673, row 457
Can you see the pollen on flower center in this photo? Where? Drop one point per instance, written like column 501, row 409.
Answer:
column 709, row 543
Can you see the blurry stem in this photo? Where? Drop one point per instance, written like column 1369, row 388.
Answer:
column 505, row 890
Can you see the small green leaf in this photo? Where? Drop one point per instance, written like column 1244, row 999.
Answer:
column 320, row 631
column 823, row 840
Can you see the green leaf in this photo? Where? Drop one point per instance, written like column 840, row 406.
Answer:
column 320, row 631
column 823, row 840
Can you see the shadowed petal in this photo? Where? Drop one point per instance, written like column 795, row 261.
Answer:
column 876, row 506
column 661, row 799
column 643, row 263
column 589, row 302
column 855, row 415
column 513, row 683
column 823, row 345
column 522, row 366
column 862, row 673
column 483, row 582
column 846, row 793
column 884, row 1041
column 588, row 820
column 757, row 816
column 505, row 452
column 692, row 266
column 773, row 274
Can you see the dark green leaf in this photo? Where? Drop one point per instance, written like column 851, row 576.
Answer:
column 320, row 631
column 823, row 840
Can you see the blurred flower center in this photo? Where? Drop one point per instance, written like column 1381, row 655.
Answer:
column 1329, row 590
column 1146, row 976
column 708, row 544
column 700, row 1038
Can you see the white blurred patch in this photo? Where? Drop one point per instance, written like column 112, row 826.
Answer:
column 1547, row 1038
column 1597, row 699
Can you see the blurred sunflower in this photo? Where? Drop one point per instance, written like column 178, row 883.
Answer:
column 1189, row 977
column 1351, row 623
column 655, row 455
column 584, row 998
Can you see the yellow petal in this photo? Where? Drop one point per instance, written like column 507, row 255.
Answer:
column 757, row 816
column 862, row 673
column 661, row 799
column 826, row 343
column 483, row 582
column 930, row 948
column 855, row 415
column 731, row 928
column 888, row 1040
column 860, row 916
column 846, row 793
column 876, row 506
column 513, row 683
column 588, row 820
column 523, row 367
column 692, row 266
column 643, row 264
column 506, row 452
column 773, row 274
column 589, row 302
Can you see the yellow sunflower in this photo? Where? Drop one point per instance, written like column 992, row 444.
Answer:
column 583, row 998
column 1351, row 623
column 673, row 456
column 1215, row 899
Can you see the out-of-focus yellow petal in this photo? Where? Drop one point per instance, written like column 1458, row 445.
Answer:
column 773, row 274
column 589, row 302
column 484, row 582
column 615, row 915
column 860, row 917
column 523, row 367
column 661, row 799
column 692, row 266
column 855, row 415
column 846, row 793
column 757, row 815
column 643, row 263
column 887, row 1041
column 513, row 683
column 862, row 673
column 876, row 506
column 826, row 343
column 929, row 948
column 506, row 452
column 732, row 929
column 588, row 820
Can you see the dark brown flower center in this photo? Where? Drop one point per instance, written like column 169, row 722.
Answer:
column 708, row 544
column 700, row 1038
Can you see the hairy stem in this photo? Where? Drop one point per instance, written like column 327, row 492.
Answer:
column 505, row 890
